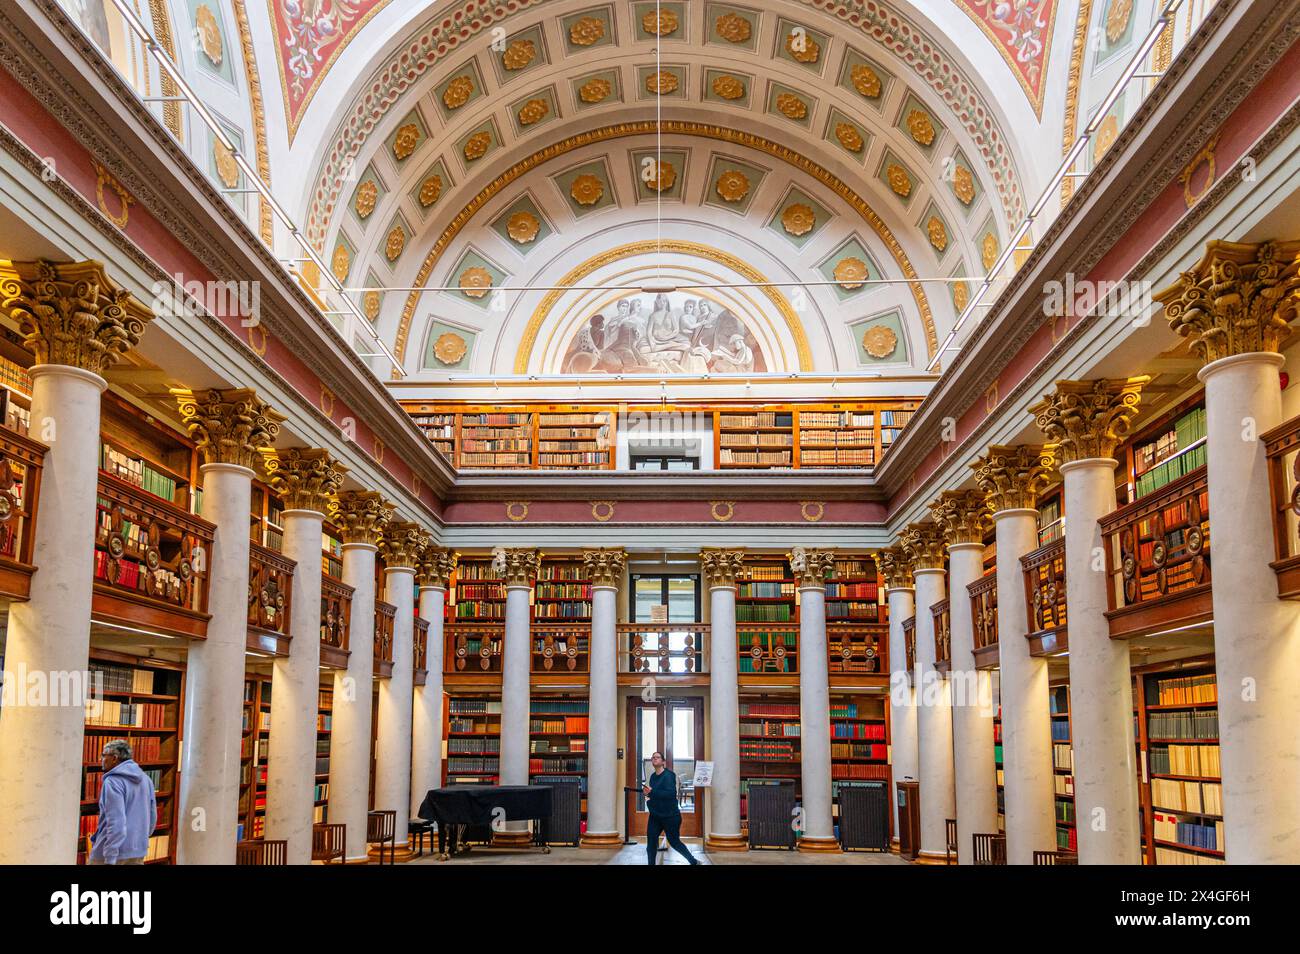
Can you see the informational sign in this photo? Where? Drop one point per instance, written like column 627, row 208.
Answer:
column 659, row 613
column 703, row 774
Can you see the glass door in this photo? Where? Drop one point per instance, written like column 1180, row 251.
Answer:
column 675, row 727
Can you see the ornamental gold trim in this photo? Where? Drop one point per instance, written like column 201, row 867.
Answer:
column 519, row 54
column 106, row 180
column 812, row 510
column 516, row 510
column 602, row 510
column 458, row 91
column 722, row 510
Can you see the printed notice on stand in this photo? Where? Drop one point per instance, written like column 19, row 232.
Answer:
column 703, row 774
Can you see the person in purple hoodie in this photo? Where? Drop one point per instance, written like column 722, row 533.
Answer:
column 127, row 810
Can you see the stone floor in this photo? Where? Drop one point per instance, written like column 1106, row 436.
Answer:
column 635, row 855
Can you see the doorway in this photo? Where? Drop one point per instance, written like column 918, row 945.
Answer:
column 674, row 726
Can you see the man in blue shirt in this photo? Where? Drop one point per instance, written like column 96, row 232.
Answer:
column 127, row 810
column 660, row 790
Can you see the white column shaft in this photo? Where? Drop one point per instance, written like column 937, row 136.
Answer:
column 724, row 714
column 515, row 691
column 353, row 697
column 814, row 715
column 426, row 718
column 393, row 745
column 933, row 722
column 905, row 763
column 602, row 759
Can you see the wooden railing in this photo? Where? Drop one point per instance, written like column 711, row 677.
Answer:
column 662, row 648
column 1158, row 559
column 1282, row 447
column 385, row 614
column 855, row 649
column 1044, row 572
column 420, row 650
column 984, row 620
column 909, row 642
column 335, row 622
column 561, row 647
column 21, row 461
column 150, row 561
column 767, row 648
column 942, row 635
column 270, row 586
column 474, row 647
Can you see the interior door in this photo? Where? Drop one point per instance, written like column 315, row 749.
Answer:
column 674, row 726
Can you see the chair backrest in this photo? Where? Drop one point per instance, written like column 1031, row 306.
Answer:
column 328, row 841
column 261, row 852
column 989, row 848
column 381, row 826
column 1056, row 858
column 951, row 825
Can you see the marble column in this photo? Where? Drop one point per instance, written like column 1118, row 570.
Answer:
column 963, row 517
column 362, row 516
column 1087, row 420
column 605, row 570
column 1011, row 479
column 518, row 568
column 307, row 481
column 811, row 568
column 904, row 763
column 923, row 543
column 436, row 567
column 79, row 324
column 722, row 569
column 402, row 545
column 1233, row 307
column 230, row 428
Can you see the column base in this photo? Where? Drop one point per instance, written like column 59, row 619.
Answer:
column 726, row 843
column 930, row 858
column 894, row 846
column 809, row 843
column 404, row 852
column 511, row 839
column 600, row 839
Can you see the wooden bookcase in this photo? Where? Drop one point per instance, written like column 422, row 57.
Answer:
column 769, row 743
column 846, row 437
column 143, row 453
column 998, row 763
column 754, row 438
column 859, row 744
column 853, row 592
column 767, row 593
column 1063, row 767
column 15, row 386
column 575, row 439
column 1051, row 516
column 324, row 728
column 142, row 702
column 893, row 420
column 562, row 593
column 473, row 734
column 478, row 594
column 558, row 726
column 253, row 754
column 491, row 439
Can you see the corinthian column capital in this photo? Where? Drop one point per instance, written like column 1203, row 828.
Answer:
column 436, row 567
column 517, row 566
column 402, row 545
column 1240, row 298
column 923, row 544
column 305, row 478
column 231, row 426
column 1087, row 420
column 811, row 566
column 962, row 516
column 1013, row 477
column 72, row 313
column 362, row 516
column 604, row 567
column 895, row 567
column 722, row 567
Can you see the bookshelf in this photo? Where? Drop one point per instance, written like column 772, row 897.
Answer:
column 998, row 768
column 496, row 440
column 893, row 421
column 767, row 593
column 473, row 734
column 1051, row 520
column 1063, row 768
column 557, row 741
column 769, row 743
column 15, row 388
column 478, row 594
column 138, row 450
column 760, row 438
column 331, row 553
column 562, row 593
column 853, row 593
column 254, row 749
column 265, row 521
column 439, row 428
column 859, row 750
column 575, row 439
column 324, row 728
column 141, row 701
column 838, row 438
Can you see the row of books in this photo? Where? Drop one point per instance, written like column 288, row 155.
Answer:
column 324, row 722
column 562, row 591
column 764, row 613
column 1168, row 827
column 852, row 591
column 479, row 765
column 836, row 419
column 495, row 460
column 495, row 445
column 1172, row 856
column 775, row 710
column 1182, row 690
column 1062, row 756
column 865, row 612
column 472, row 570
column 763, row 750
column 836, row 438
column 135, row 471
column 558, row 706
column 1067, row 839
column 573, row 436
column 463, row 706
column 756, row 440
column 779, row 729
column 489, row 745
column 475, row 609
column 495, row 420
column 123, row 678
column 1166, row 473
column 480, row 591
column 756, row 458
column 571, row 610
column 587, row 459
column 748, row 664
column 768, row 571
column 462, row 725
column 1060, row 730
column 146, row 715
column 550, row 746
column 15, row 376
column 1064, row 784
column 764, row 590
column 147, row 748
column 1192, row 724
column 322, row 792
column 322, row 766
column 557, row 764
column 93, row 783
column 1064, row 812
column 861, row 457
column 572, row 724
column 1196, row 760
column 857, row 750
column 857, row 730
column 758, row 419
column 1200, row 797
column 562, row 571
column 599, row 418
column 858, row 770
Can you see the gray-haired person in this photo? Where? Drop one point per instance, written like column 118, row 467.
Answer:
column 127, row 809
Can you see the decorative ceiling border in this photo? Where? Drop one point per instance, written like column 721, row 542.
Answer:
column 880, row 24
column 259, row 118
column 1071, row 121
column 584, row 269
column 672, row 127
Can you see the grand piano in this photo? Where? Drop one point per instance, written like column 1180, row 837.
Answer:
column 457, row 809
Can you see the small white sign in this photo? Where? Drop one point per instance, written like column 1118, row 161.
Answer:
column 703, row 774
column 659, row 613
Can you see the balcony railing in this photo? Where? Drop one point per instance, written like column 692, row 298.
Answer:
column 420, row 650
column 939, row 612
column 150, row 562
column 385, row 614
column 474, row 647
column 1158, row 559
column 1044, row 571
column 335, row 622
column 270, row 585
column 855, row 649
column 561, row 648
column 909, row 643
column 21, row 460
column 1282, row 447
column 662, row 648
column 984, row 619
column 767, row 648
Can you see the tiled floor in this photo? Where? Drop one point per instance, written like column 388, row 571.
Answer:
column 635, row 855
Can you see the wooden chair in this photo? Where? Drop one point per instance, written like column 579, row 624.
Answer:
column 381, row 827
column 329, row 842
column 989, row 849
column 418, row 828
column 261, row 852
column 950, row 849
column 1056, row 858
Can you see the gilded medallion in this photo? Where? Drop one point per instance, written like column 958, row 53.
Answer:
column 458, row 91
column 664, row 178
column 960, row 296
column 865, row 80
column 227, row 167
column 661, row 83
column 364, row 201
column 798, row 219
column 850, row 272
column 920, row 126
column 594, row 90
column 937, row 233
column 586, row 31
column 523, row 226
column 1117, row 16
column 899, row 180
column 733, row 28
column 1107, row 133
column 879, row 341
column 532, row 111
column 849, row 137
column 727, row 86
column 476, row 146
column 963, row 184
column 430, row 190
column 396, row 242
column 209, row 33
column 802, row 47
column 989, row 250
column 370, row 304
column 663, row 23
column 407, row 138
column 449, row 348
column 791, row 106
column 519, row 54
column 475, row 281
column 341, row 262
column 732, row 185
column 587, row 189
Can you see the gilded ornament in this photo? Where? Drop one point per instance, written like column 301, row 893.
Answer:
column 476, row 146
column 850, row 272
column 989, row 250
column 963, row 184
column 341, row 262
column 587, row 189
column 849, row 137
column 105, row 180
column 865, row 80
column 664, row 178
column 519, row 54
column 899, row 180
column 523, row 226
column 364, row 201
column 209, row 33
column 227, row 167
column 1107, row 133
column 798, row 219
column 792, row 106
column 475, row 281
column 661, row 23
column 595, row 90
column 733, row 28
column 586, row 31
column 802, row 47
column 407, row 138
column 938, row 235
column 728, row 87
column 458, row 91
column 430, row 190
column 1117, row 17
column 920, row 126
column 732, row 185
column 532, row 111
column 396, row 242
column 661, row 83
column 449, row 348
column 960, row 296
column 879, row 341
column 370, row 304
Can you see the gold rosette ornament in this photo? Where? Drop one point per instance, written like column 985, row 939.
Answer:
column 430, row 190
column 586, row 31
column 798, row 219
column 960, row 296
column 850, row 272
column 449, row 348
column 523, row 227
column 937, row 233
column 519, row 54
column 920, row 126
column 662, row 23
column 661, row 83
column 963, row 184
column 370, row 304
column 663, row 179
column 865, row 80
column 405, row 141
column 802, row 47
column 732, row 185
column 899, row 180
column 209, row 33
column 849, row 137
column 792, row 106
column 733, row 28
column 476, row 146
column 227, row 167
column 587, row 189
column 341, row 262
column 728, row 87
column 475, row 281
column 396, row 242
column 1117, row 17
column 364, row 203
column 458, row 91
column 532, row 111
column 879, row 341
column 595, row 90
column 989, row 250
